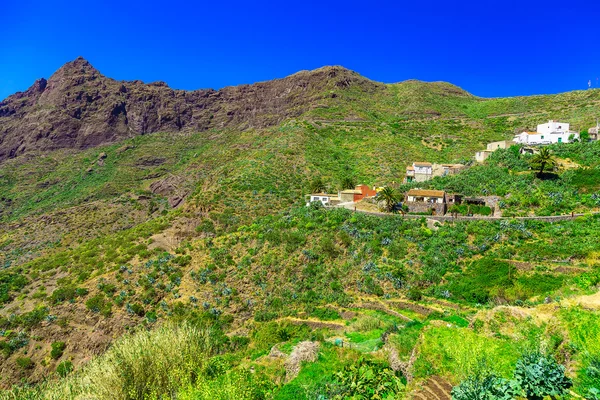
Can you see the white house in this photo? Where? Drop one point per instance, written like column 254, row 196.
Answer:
column 419, row 172
column 326, row 199
column 552, row 132
column 426, row 196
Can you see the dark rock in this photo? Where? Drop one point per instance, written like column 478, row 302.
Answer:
column 80, row 108
column 171, row 187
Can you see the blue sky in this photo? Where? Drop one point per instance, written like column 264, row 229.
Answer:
column 489, row 47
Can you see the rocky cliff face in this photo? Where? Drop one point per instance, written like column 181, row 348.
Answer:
column 79, row 108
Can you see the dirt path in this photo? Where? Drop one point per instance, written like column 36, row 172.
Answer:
column 445, row 218
column 315, row 324
column 590, row 301
column 372, row 305
column 436, row 388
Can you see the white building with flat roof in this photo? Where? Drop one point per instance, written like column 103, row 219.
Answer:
column 549, row 133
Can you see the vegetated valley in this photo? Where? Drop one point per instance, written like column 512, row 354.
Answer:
column 156, row 243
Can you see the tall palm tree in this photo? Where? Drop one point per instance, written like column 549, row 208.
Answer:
column 347, row 182
column 389, row 196
column 317, row 185
column 543, row 161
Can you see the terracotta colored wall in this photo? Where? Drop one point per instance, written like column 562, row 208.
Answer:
column 366, row 192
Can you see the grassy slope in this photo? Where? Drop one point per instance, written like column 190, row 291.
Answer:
column 74, row 223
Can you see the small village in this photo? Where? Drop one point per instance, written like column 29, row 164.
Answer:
column 420, row 201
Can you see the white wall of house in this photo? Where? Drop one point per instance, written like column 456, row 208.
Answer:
column 552, row 126
column 545, row 138
column 426, row 199
column 548, row 133
column 422, row 170
column 322, row 199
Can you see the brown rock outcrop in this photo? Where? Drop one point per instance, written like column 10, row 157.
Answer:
column 80, row 108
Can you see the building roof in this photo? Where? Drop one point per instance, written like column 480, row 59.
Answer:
column 426, row 193
column 323, row 194
column 410, row 168
column 351, row 191
column 422, row 164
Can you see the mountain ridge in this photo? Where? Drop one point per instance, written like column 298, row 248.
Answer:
column 78, row 107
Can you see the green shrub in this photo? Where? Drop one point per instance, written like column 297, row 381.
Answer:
column 67, row 293
column 62, row 294
column 149, row 364
column 99, row 304
column 136, row 308
column 25, row 363
column 264, row 316
column 325, row 314
column 365, row 379
column 487, row 387
column 64, row 368
column 10, row 282
column 414, row 294
column 540, row 376
column 58, row 349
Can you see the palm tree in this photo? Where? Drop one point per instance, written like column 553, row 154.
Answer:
column 317, row 185
column 389, row 196
column 542, row 161
column 347, row 182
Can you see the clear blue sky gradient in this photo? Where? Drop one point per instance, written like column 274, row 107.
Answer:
column 490, row 48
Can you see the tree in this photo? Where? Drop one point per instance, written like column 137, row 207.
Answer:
column 347, row 182
column 543, row 161
column 390, row 197
column 317, row 185
column 584, row 136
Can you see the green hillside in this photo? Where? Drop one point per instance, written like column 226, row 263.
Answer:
column 197, row 249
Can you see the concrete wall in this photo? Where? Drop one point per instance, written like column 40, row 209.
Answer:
column 422, row 177
column 346, row 197
column 503, row 144
column 481, row 156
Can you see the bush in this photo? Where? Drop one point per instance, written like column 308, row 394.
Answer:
column 365, row 379
column 62, row 294
column 58, row 348
column 487, row 387
column 539, row 376
column 99, row 304
column 136, row 308
column 67, row 293
column 25, row 363
column 414, row 294
column 149, row 364
column 325, row 314
column 64, row 368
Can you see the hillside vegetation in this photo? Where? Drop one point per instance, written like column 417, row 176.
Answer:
column 184, row 263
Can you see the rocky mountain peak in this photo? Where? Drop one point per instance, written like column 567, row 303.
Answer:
column 78, row 107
